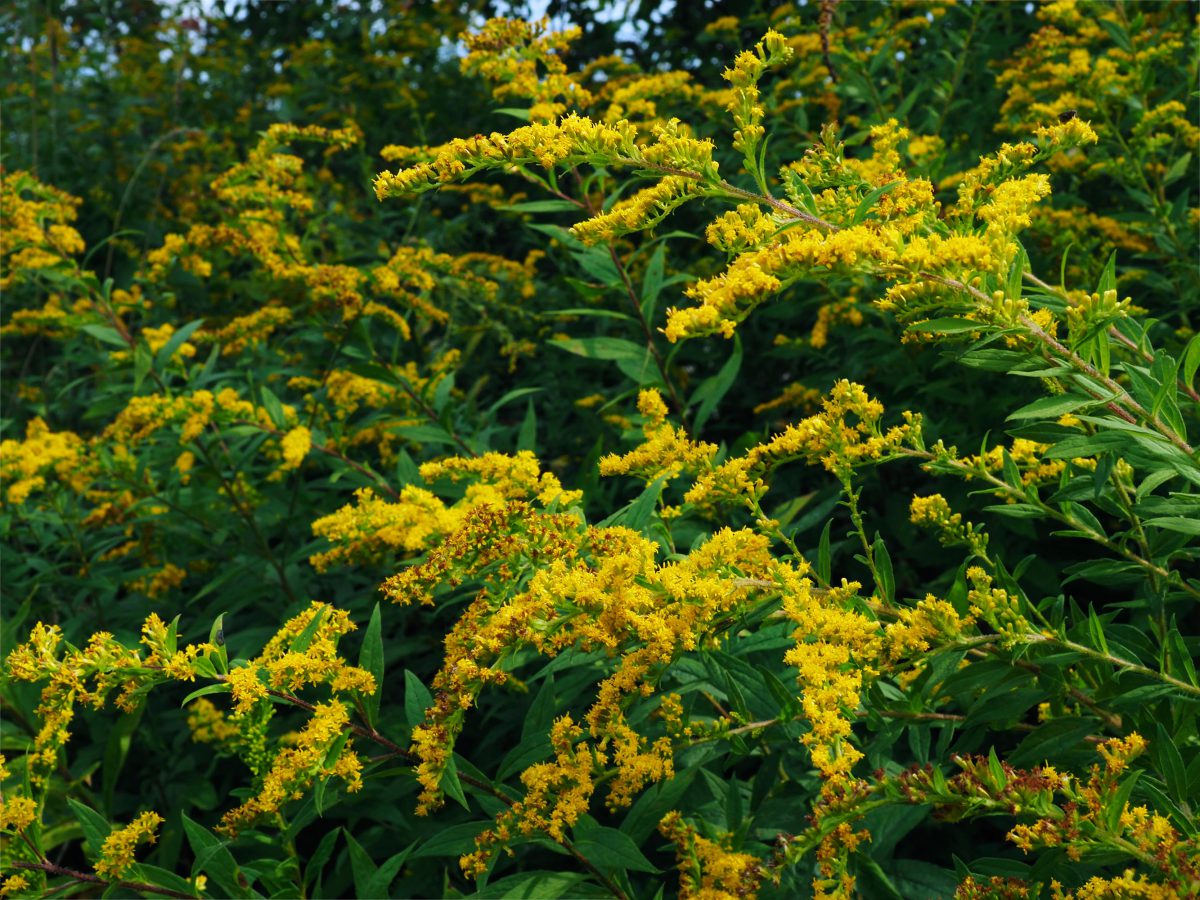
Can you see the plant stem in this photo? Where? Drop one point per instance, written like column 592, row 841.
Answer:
column 50, row 868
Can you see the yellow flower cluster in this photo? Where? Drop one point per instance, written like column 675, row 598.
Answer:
column 709, row 869
column 996, row 606
column 244, row 332
column 642, row 210
column 321, row 751
column 748, row 67
column 295, row 445
column 667, row 450
column 261, row 199
column 289, row 663
column 418, row 519
column 932, row 622
column 839, row 312
column 836, row 653
column 754, row 276
column 1027, row 456
column 741, row 229
column 36, row 233
column 13, row 885
column 116, row 855
column 593, row 589
column 208, row 724
column 25, row 465
column 638, row 97
column 570, row 141
column 846, row 434
column 103, row 661
column 1089, row 822
column 557, row 794
column 795, row 395
column 1126, row 886
column 934, row 512
column 161, row 582
column 509, row 52
column 499, row 477
column 176, row 249
column 370, row 527
column 148, row 413
column 17, row 812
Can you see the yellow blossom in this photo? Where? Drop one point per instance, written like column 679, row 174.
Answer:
column 116, row 856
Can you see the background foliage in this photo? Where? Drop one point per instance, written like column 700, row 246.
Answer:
column 230, row 373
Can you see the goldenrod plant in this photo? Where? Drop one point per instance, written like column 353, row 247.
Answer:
column 729, row 452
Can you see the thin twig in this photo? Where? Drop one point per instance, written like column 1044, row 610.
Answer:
column 53, row 869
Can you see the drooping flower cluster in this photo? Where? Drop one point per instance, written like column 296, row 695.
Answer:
column 847, row 433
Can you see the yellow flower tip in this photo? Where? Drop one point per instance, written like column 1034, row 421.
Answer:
column 116, row 855
column 295, row 445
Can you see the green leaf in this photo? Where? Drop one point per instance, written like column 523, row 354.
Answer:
column 864, row 206
column 883, row 569
column 996, row 770
column 1096, row 632
column 527, row 435
column 637, row 515
column 424, row 434
column 107, row 334
column 598, row 313
column 320, row 856
column 302, row 641
column 1190, row 361
column 1170, row 764
column 273, row 407
column 512, row 395
column 1116, row 806
column 142, row 362
column 1052, row 407
column 116, row 751
column 599, row 264
column 451, row 785
column 167, row 350
column 539, row 885
column 381, row 881
column 212, row 858
column 221, row 688
column 824, row 559
column 1051, row 739
column 652, row 281
column 1176, row 523
column 874, row 881
column 533, row 749
column 948, row 326
column 601, row 348
column 1015, row 274
column 454, row 840
column 540, row 206
column 95, row 827
column 370, row 658
column 417, row 699
column 1119, row 35
column 915, row 878
column 441, row 394
column 515, row 112
column 608, row 849
column 1180, row 658
column 1178, row 169
column 362, row 867
column 145, row 873
column 1108, row 278
column 712, row 390
column 654, row 803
